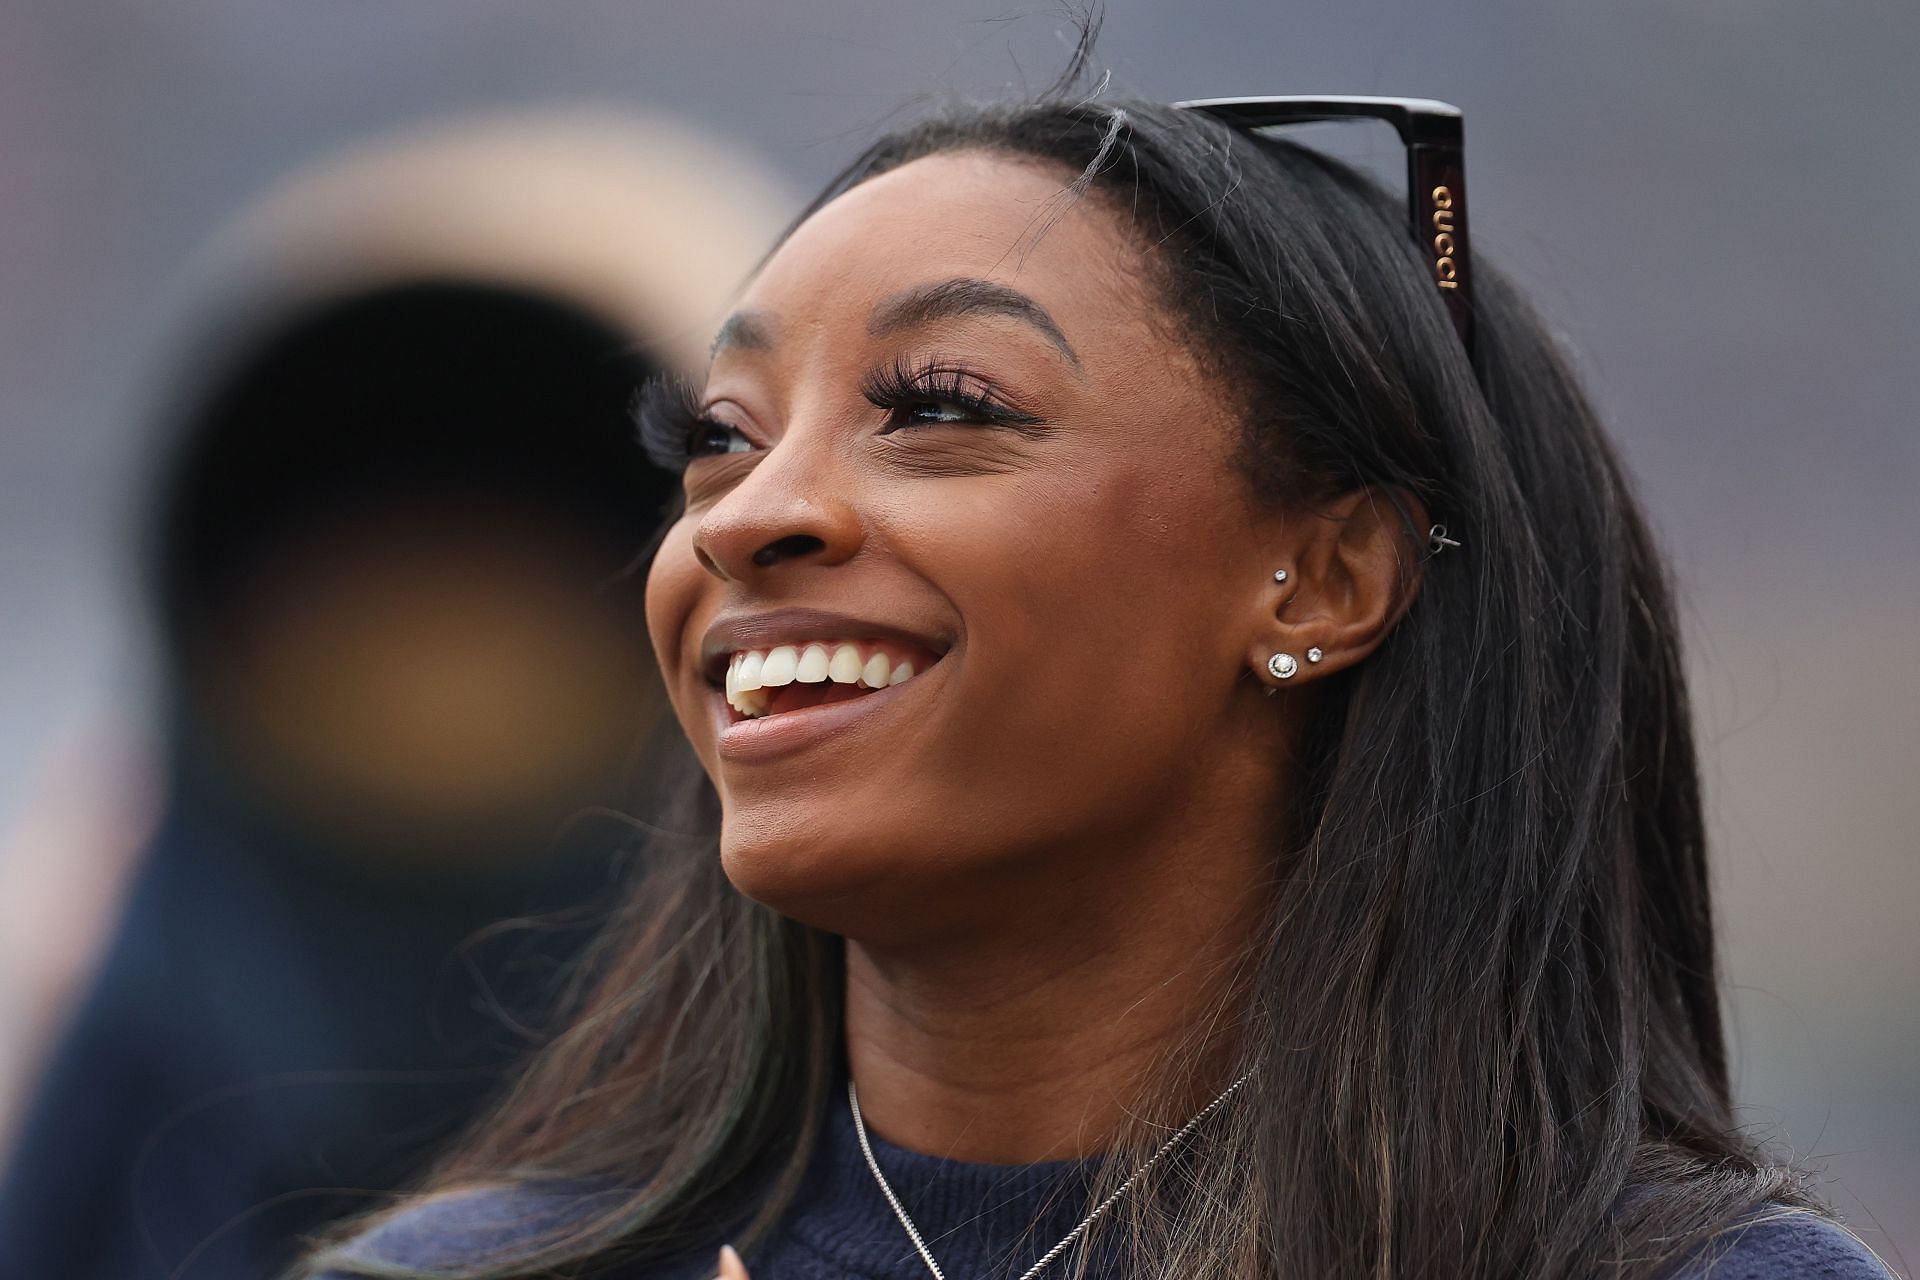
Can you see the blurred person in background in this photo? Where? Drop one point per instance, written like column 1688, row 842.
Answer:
column 1188, row 769
column 392, row 568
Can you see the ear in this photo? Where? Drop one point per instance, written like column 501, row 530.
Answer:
column 1353, row 568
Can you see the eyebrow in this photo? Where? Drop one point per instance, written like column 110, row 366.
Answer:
column 965, row 295
column 747, row 330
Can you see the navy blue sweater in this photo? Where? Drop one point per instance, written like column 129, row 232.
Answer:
column 980, row 1221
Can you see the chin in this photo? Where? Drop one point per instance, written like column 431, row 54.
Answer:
column 804, row 870
column 871, row 883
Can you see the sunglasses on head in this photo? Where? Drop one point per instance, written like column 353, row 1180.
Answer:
column 1436, row 176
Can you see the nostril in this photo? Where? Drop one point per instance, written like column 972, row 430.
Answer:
column 791, row 547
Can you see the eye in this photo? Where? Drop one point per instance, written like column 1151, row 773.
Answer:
column 709, row 436
column 930, row 412
column 675, row 430
column 935, row 395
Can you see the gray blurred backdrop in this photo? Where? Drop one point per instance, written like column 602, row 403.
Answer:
column 1717, row 200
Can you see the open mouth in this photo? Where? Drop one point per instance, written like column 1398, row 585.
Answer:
column 793, row 677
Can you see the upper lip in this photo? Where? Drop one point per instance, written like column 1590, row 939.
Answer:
column 731, row 633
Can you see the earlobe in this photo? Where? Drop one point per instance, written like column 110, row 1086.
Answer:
column 1351, row 572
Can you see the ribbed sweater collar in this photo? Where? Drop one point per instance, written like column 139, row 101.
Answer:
column 979, row 1220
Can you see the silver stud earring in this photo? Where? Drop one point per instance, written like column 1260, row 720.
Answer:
column 1282, row 665
column 1279, row 575
column 1314, row 654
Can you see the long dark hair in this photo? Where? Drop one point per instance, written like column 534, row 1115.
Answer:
column 1483, row 1023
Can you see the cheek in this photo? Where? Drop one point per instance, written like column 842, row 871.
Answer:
column 1114, row 570
column 1100, row 650
column 675, row 584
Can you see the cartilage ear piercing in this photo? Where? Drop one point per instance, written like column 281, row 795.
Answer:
column 1279, row 575
column 1314, row 654
column 1282, row 665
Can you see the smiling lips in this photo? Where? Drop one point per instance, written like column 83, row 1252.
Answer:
column 764, row 682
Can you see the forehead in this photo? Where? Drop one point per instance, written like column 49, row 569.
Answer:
column 961, row 214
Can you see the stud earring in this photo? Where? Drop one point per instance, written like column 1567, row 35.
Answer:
column 1282, row 665
column 1314, row 654
column 1279, row 575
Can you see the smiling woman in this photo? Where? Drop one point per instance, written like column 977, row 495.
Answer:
column 1123, row 836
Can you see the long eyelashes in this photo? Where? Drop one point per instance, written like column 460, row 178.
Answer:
column 906, row 386
column 914, row 393
column 666, row 413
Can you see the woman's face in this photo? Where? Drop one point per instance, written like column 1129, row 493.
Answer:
column 964, row 528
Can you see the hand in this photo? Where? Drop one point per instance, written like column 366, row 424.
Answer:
column 731, row 1268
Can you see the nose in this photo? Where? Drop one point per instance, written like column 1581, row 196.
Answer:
column 791, row 510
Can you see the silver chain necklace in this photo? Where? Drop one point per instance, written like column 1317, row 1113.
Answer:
column 913, row 1232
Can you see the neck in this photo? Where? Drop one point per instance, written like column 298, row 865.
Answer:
column 1036, row 1042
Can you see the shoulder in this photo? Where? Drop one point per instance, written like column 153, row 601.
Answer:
column 458, row 1229
column 1784, row 1244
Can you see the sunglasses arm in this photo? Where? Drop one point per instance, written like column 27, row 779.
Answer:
column 1436, row 174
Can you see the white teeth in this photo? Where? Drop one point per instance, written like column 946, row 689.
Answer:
column 813, row 665
column 779, row 667
column 752, row 675
column 748, row 702
column 845, row 666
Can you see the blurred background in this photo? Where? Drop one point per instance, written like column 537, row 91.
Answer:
column 226, row 229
